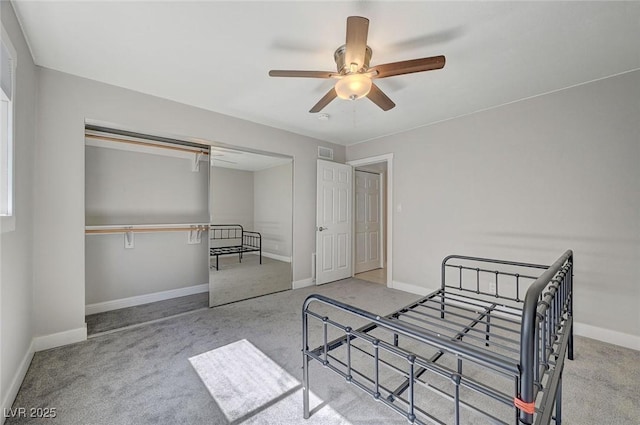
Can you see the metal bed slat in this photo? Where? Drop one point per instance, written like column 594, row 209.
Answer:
column 482, row 303
column 468, row 335
column 478, row 322
column 476, row 354
column 462, row 316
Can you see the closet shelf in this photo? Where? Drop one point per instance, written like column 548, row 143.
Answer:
column 146, row 228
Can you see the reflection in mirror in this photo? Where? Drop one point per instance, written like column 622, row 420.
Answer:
column 250, row 235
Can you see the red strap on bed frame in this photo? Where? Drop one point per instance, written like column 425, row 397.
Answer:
column 525, row 407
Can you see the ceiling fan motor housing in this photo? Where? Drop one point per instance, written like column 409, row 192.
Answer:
column 344, row 68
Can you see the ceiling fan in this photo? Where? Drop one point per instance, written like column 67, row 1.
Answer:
column 354, row 74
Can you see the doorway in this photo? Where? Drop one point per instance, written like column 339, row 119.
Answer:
column 373, row 219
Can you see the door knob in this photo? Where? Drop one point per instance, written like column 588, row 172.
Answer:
column 322, row 228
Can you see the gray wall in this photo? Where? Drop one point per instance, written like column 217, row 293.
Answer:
column 159, row 262
column 272, row 214
column 124, row 187
column 16, row 252
column 232, row 197
column 64, row 102
column 526, row 181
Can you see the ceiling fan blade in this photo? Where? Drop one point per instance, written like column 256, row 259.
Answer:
column 408, row 67
column 326, row 99
column 378, row 97
column 302, row 74
column 356, row 45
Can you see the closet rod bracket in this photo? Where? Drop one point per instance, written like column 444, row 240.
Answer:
column 195, row 235
column 128, row 238
column 196, row 162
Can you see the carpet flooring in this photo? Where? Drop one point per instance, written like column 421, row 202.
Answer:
column 234, row 372
column 143, row 375
column 123, row 317
column 235, row 281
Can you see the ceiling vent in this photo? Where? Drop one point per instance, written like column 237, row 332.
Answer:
column 325, row 153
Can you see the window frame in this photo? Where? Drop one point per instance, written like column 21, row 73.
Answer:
column 8, row 219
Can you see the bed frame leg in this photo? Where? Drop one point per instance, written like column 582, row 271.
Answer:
column 305, row 364
column 305, row 386
column 570, row 343
column 559, row 403
column 570, row 347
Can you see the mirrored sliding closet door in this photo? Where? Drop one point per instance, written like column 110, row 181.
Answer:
column 250, row 233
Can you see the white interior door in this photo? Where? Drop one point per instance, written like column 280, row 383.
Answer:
column 368, row 228
column 333, row 222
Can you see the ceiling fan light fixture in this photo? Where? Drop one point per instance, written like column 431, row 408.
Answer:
column 353, row 86
column 354, row 72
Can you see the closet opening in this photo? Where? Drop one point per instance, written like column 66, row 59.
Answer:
column 146, row 228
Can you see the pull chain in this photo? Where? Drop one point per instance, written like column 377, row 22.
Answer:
column 353, row 106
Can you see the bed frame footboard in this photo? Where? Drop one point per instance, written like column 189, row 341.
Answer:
column 451, row 345
column 546, row 335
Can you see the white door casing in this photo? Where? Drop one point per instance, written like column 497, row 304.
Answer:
column 333, row 221
column 368, row 221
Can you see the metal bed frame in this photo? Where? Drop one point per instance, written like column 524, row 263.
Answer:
column 233, row 239
column 475, row 343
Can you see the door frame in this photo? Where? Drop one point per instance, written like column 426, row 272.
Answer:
column 388, row 158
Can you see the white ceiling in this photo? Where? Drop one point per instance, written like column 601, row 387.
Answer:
column 216, row 55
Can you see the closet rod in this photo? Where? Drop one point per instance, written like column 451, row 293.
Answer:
column 145, row 230
column 134, row 142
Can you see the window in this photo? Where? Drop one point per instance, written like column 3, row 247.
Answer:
column 7, row 95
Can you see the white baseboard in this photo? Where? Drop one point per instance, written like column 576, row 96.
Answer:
column 297, row 284
column 277, row 257
column 607, row 335
column 59, row 339
column 16, row 382
column 411, row 288
column 581, row 329
column 272, row 256
column 144, row 299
